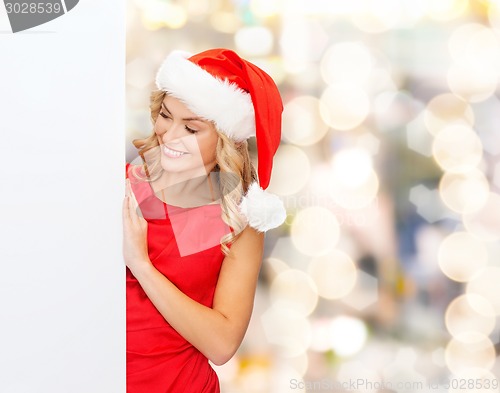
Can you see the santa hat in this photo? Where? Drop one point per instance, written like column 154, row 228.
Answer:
column 243, row 101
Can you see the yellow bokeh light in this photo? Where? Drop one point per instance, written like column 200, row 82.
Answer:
column 494, row 15
column 461, row 255
column 266, row 8
column 302, row 123
column 485, row 284
column 353, row 182
column 352, row 166
column 468, row 352
column 462, row 315
column 473, row 82
column 334, row 274
column 485, row 222
column 464, row 192
column 444, row 10
column 344, row 106
column 315, row 231
column 225, row 22
column 445, row 109
column 160, row 14
column 288, row 330
column 294, row 290
column 254, row 41
column 289, row 159
column 376, row 17
column 347, row 335
column 475, row 43
column 346, row 62
column 457, row 148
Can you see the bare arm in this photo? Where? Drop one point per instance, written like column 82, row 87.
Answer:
column 216, row 332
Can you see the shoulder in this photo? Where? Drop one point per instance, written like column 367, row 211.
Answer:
column 249, row 244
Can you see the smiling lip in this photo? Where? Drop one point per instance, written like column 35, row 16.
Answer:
column 173, row 153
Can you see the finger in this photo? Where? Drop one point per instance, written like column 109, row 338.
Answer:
column 125, row 208
column 135, row 204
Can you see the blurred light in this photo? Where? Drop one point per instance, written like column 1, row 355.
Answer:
column 469, row 351
column 266, row 8
column 315, row 231
column 462, row 317
column 428, row 202
column 354, row 183
column 368, row 142
column 289, row 159
column 199, row 9
column 418, row 139
column 364, row 293
column 457, row 148
column 461, row 255
column 277, row 265
column 320, row 335
column 394, row 109
column 254, row 41
column 299, row 363
column 295, row 44
column 352, row 166
column 485, row 222
column 376, row 17
column 445, row 109
column 334, row 274
column 475, row 43
column 368, row 380
column 485, row 284
column 139, row 71
column 159, row 14
column 294, row 290
column 308, row 78
column 302, row 123
column 346, row 62
column 347, row 335
column 344, row 106
column 494, row 15
column 496, row 175
column 444, row 10
column 290, row 332
column 472, row 81
column 225, row 22
column 273, row 65
column 464, row 192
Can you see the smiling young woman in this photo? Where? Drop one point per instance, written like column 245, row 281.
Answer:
column 194, row 217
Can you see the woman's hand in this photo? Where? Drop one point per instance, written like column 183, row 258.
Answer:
column 135, row 247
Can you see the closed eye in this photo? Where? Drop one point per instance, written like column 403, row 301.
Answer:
column 165, row 116
column 190, row 130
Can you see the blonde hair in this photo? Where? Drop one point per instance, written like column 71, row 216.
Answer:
column 233, row 162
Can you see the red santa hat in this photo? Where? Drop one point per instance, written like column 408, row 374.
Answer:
column 243, row 101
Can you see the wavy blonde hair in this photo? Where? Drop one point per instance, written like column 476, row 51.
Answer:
column 232, row 161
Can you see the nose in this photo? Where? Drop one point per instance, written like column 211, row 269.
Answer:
column 173, row 133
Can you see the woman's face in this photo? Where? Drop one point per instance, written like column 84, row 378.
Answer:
column 187, row 142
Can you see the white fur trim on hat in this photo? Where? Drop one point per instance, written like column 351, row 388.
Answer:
column 214, row 99
column 262, row 209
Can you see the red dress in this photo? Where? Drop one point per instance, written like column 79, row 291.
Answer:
column 160, row 360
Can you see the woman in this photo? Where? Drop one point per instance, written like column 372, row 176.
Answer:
column 194, row 217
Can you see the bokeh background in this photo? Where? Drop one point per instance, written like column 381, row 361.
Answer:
column 386, row 274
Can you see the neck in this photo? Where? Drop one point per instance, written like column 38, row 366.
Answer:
column 181, row 189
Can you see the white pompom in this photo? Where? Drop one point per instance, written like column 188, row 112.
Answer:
column 262, row 209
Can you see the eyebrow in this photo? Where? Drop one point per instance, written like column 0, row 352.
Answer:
column 186, row 118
